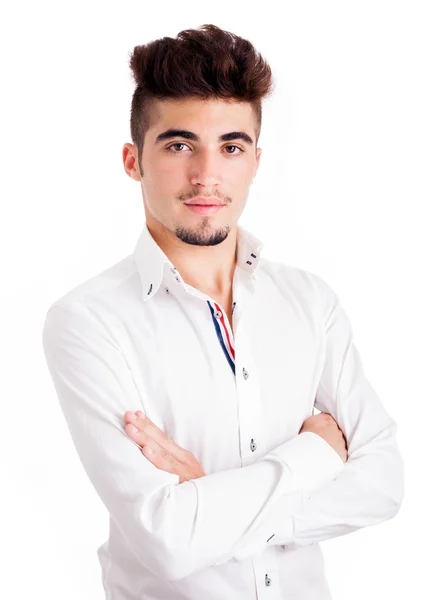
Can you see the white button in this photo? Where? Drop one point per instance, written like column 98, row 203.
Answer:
column 218, row 314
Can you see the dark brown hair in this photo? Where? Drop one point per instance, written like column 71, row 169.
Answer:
column 207, row 62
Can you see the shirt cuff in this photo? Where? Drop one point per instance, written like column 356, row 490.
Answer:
column 311, row 460
column 285, row 533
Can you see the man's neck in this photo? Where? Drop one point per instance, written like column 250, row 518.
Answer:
column 209, row 269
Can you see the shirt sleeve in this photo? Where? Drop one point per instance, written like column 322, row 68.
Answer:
column 173, row 529
column 370, row 489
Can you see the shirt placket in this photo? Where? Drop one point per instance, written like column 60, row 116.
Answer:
column 252, row 447
column 265, row 566
column 266, row 574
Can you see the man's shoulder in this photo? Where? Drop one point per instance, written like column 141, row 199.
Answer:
column 117, row 280
column 298, row 278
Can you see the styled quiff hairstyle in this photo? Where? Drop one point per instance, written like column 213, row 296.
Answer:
column 207, row 62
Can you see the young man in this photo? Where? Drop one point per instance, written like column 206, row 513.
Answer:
column 188, row 372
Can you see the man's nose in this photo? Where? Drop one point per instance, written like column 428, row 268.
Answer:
column 205, row 169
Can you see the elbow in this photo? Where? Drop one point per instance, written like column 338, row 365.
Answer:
column 175, row 567
column 395, row 498
column 398, row 498
column 157, row 559
column 389, row 478
column 385, row 490
column 393, row 508
column 185, row 563
column 155, row 541
column 150, row 533
column 179, row 572
column 397, row 489
column 161, row 539
column 179, row 564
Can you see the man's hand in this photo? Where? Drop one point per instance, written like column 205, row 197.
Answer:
column 160, row 449
column 325, row 425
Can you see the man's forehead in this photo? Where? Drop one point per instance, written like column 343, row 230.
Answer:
column 203, row 117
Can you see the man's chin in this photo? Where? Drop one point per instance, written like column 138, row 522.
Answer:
column 210, row 236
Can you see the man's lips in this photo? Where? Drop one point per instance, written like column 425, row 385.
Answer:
column 204, row 209
column 204, row 201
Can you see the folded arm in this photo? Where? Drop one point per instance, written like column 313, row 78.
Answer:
column 173, row 529
column 370, row 488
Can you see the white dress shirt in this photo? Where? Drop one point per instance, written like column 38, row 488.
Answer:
column 136, row 336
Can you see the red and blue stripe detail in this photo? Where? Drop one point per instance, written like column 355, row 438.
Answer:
column 224, row 335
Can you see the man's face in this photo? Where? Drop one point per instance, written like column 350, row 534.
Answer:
column 178, row 169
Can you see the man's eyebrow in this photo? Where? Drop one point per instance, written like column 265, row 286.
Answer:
column 189, row 135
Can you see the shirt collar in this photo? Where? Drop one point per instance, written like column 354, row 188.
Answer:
column 152, row 262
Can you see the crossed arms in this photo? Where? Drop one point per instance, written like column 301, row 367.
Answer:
column 302, row 491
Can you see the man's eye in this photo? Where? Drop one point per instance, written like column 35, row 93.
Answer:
column 237, row 147
column 169, row 148
column 176, row 144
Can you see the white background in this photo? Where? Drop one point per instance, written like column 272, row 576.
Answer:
column 352, row 186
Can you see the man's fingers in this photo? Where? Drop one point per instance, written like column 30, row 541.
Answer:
column 150, row 448
column 159, row 457
column 138, row 435
column 148, row 430
column 160, row 449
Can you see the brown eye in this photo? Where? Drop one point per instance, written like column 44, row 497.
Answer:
column 237, row 147
column 175, row 144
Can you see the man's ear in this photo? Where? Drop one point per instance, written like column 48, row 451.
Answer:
column 130, row 161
